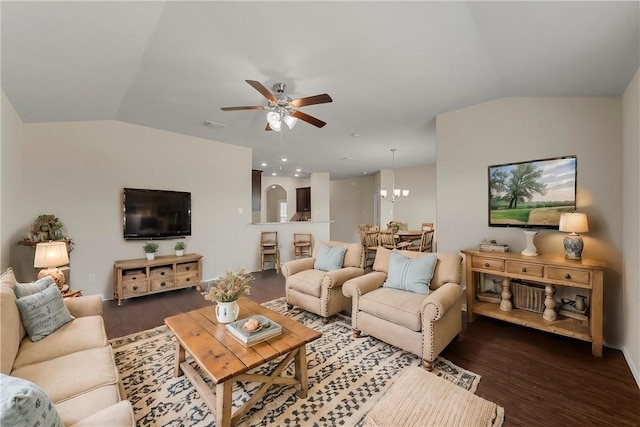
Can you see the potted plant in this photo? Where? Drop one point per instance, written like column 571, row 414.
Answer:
column 150, row 248
column 179, row 248
column 225, row 291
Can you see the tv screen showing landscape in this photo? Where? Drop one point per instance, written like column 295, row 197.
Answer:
column 532, row 194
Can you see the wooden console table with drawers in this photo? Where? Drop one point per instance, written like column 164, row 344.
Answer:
column 549, row 271
column 137, row 277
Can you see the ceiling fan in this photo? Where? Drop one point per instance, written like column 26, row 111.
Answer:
column 282, row 108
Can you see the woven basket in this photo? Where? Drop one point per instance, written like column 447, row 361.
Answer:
column 528, row 296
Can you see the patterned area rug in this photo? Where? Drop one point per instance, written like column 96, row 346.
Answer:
column 346, row 378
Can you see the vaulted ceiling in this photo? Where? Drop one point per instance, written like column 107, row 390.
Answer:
column 390, row 67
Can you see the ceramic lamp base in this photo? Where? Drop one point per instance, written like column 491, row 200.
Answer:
column 531, row 249
column 56, row 275
column 573, row 246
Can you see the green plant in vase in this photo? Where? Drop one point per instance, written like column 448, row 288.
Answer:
column 179, row 248
column 150, row 249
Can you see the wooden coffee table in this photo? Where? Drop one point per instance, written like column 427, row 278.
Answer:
column 225, row 360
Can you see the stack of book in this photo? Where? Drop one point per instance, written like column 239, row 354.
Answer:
column 266, row 329
column 493, row 247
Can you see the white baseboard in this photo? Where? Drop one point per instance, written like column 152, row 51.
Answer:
column 627, row 357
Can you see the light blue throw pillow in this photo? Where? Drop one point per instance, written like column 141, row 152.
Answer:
column 25, row 289
column 329, row 257
column 22, row 403
column 411, row 274
column 43, row 312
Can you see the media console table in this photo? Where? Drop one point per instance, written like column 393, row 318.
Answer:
column 547, row 270
column 137, row 277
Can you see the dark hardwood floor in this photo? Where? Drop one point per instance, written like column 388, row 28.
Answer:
column 539, row 378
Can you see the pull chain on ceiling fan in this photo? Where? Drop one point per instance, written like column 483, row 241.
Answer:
column 282, row 108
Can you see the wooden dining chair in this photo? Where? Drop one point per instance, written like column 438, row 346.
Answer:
column 369, row 241
column 426, row 226
column 426, row 242
column 301, row 245
column 269, row 251
column 387, row 239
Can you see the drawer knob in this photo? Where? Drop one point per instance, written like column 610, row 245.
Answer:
column 188, row 279
column 567, row 276
column 524, row 269
column 162, row 273
column 486, row 265
column 187, row 269
column 162, row 284
column 135, row 288
column 134, row 278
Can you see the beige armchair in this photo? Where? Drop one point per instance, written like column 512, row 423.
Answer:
column 421, row 324
column 319, row 291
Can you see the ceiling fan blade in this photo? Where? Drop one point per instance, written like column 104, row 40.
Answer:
column 263, row 90
column 311, row 100
column 249, row 107
column 307, row 118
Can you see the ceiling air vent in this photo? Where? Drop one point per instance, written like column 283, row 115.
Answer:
column 213, row 125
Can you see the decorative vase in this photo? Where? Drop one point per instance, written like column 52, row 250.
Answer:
column 530, row 250
column 180, row 252
column 150, row 256
column 227, row 312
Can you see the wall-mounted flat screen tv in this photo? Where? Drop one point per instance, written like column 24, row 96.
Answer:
column 156, row 214
column 532, row 194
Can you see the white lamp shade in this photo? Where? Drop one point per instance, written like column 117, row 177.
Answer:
column 52, row 254
column 574, row 222
column 290, row 121
column 383, row 193
column 405, row 193
column 273, row 119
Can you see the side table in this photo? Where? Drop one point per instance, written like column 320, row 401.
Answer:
column 72, row 294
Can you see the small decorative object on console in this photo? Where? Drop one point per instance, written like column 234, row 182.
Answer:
column 150, row 249
column 491, row 245
column 179, row 248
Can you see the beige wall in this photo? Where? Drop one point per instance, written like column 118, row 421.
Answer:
column 631, row 224
column 420, row 205
column 518, row 129
column 77, row 171
column 11, row 185
column 352, row 203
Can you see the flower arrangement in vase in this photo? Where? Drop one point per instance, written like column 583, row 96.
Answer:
column 225, row 291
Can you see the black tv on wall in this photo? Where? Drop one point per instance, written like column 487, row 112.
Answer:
column 532, row 194
column 156, row 214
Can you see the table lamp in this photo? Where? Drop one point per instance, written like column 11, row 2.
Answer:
column 49, row 256
column 573, row 223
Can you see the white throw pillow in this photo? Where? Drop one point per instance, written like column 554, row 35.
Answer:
column 26, row 289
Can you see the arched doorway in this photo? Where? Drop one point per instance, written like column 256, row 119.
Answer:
column 276, row 204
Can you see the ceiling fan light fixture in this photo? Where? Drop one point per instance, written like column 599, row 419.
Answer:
column 290, row 121
column 274, row 120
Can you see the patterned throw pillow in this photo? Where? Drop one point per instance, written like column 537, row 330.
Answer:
column 329, row 257
column 410, row 274
column 22, row 403
column 25, row 289
column 43, row 312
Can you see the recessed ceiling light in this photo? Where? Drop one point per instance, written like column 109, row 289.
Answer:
column 365, row 172
column 263, row 164
column 298, row 170
column 296, row 174
column 345, row 158
column 273, row 186
column 273, row 174
column 354, row 134
column 284, row 159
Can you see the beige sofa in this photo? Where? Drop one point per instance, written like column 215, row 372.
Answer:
column 319, row 291
column 73, row 366
column 421, row 324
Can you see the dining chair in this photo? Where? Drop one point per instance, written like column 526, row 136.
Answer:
column 425, row 243
column 301, row 245
column 387, row 239
column 369, row 241
column 269, row 251
column 427, row 226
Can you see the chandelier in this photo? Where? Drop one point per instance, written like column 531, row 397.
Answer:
column 396, row 193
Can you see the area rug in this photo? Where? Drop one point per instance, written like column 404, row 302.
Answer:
column 346, row 378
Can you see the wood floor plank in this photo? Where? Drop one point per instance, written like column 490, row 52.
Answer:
column 540, row 379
